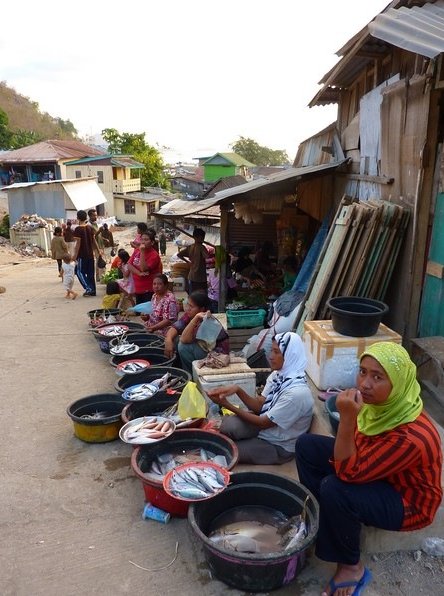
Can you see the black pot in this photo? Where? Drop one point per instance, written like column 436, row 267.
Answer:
column 259, row 572
column 155, row 357
column 97, row 430
column 142, row 339
column 160, row 402
column 355, row 316
column 149, row 374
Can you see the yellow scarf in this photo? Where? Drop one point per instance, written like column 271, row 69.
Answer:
column 404, row 404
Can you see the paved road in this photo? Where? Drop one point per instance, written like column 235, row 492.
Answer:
column 70, row 512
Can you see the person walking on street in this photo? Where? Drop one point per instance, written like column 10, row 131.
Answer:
column 68, row 236
column 86, row 245
column 92, row 221
column 196, row 255
column 162, row 243
column 58, row 248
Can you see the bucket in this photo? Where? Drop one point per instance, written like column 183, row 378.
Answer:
column 160, row 402
column 333, row 415
column 355, row 316
column 152, row 373
column 99, row 430
column 99, row 315
column 143, row 340
column 259, row 572
column 105, row 341
column 143, row 456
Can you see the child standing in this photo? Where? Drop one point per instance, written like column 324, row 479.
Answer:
column 58, row 248
column 126, row 284
column 68, row 272
column 112, row 296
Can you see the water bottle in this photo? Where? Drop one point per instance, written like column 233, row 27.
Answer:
column 151, row 512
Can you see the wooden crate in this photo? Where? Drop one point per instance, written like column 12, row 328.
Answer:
column 239, row 337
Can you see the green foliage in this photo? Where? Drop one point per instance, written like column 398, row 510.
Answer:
column 4, row 226
column 22, row 123
column 259, row 155
column 135, row 144
column 110, row 275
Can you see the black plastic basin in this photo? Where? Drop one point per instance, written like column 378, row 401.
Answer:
column 99, row 430
column 355, row 316
column 142, row 339
column 149, row 374
column 259, row 572
column 160, row 402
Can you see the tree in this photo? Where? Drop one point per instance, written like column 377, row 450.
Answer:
column 259, row 155
column 135, row 144
column 5, row 133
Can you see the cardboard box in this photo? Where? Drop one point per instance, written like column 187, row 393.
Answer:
column 332, row 358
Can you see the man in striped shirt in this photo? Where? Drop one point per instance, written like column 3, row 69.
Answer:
column 383, row 469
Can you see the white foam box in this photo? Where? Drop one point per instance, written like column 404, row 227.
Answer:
column 333, row 358
column 178, row 283
column 233, row 374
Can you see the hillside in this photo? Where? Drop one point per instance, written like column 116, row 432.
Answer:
column 24, row 115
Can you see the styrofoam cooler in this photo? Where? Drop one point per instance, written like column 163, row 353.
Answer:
column 333, row 358
column 233, row 374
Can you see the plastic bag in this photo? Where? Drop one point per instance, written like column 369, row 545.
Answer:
column 145, row 308
column 101, row 263
column 209, row 330
column 191, row 403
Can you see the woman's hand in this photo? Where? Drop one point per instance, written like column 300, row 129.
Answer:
column 221, row 393
column 169, row 348
column 200, row 316
column 349, row 404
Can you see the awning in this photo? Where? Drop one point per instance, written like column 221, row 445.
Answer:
column 83, row 194
column 419, row 29
column 274, row 182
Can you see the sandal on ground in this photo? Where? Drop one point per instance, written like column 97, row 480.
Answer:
column 359, row 586
column 324, row 395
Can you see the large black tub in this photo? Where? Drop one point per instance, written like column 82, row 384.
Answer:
column 355, row 316
column 92, row 430
column 106, row 342
column 160, row 402
column 257, row 572
column 155, row 357
column 143, row 339
column 149, row 374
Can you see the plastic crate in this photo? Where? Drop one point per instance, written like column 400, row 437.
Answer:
column 237, row 319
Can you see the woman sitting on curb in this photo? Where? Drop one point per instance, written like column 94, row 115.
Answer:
column 184, row 331
column 266, row 433
column 382, row 470
column 165, row 307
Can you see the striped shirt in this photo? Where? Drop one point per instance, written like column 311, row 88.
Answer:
column 409, row 457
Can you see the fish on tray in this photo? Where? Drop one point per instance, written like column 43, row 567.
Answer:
column 196, row 483
column 124, row 348
column 142, row 391
column 165, row 462
column 150, row 429
column 113, row 330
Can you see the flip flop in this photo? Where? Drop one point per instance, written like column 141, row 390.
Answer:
column 324, row 395
column 359, row 585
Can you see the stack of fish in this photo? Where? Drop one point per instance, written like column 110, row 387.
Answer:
column 113, row 330
column 147, row 430
column 165, row 462
column 196, row 483
column 131, row 367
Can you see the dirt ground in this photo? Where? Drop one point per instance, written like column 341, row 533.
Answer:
column 70, row 512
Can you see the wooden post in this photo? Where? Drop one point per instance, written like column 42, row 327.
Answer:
column 224, row 265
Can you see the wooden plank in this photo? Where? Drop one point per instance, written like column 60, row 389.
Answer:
column 368, row 178
column 435, row 269
column 329, row 258
column 398, row 241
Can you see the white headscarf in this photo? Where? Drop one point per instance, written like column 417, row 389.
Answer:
column 292, row 372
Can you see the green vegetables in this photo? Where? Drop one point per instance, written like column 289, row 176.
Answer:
column 110, row 275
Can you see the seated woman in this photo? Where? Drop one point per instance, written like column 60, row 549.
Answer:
column 165, row 307
column 383, row 469
column 185, row 329
column 266, row 433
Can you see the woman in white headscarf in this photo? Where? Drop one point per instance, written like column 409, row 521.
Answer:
column 266, row 432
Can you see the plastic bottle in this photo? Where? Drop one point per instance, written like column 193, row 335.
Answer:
column 151, row 512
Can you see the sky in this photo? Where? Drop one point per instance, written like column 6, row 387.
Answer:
column 194, row 75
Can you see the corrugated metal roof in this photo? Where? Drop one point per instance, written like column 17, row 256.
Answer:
column 83, row 193
column 49, row 151
column 419, row 29
column 322, row 148
column 233, row 158
column 180, row 208
column 113, row 159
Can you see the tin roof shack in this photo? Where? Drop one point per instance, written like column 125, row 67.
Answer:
column 53, row 199
column 118, row 178
column 43, row 161
column 389, row 85
column 251, row 213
